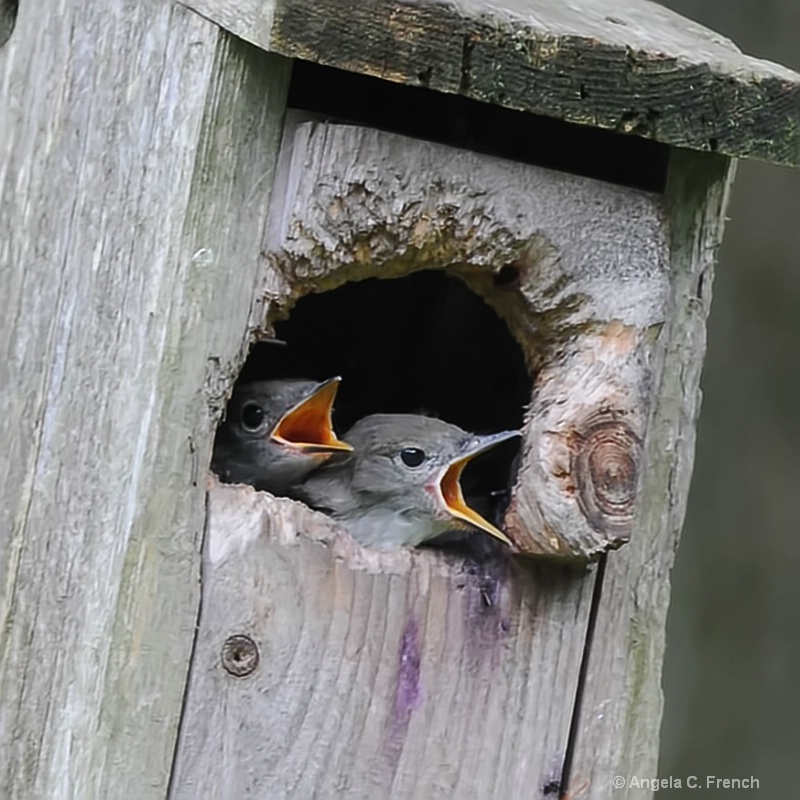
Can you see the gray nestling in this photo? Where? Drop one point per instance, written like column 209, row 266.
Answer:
column 276, row 433
column 401, row 484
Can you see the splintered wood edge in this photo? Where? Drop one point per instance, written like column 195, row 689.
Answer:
column 237, row 514
column 622, row 65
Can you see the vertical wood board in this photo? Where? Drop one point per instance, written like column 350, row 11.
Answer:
column 620, row 716
column 405, row 675
column 136, row 150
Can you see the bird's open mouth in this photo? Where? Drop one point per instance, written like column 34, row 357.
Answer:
column 449, row 484
column 307, row 426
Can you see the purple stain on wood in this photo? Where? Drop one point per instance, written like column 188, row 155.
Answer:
column 407, row 692
column 487, row 615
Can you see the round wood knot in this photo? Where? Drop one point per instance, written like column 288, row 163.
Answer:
column 605, row 471
column 239, row 655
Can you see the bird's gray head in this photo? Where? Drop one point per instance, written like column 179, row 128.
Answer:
column 292, row 412
column 415, row 462
column 276, row 431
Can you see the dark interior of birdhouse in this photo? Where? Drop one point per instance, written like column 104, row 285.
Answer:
column 420, row 344
column 489, row 128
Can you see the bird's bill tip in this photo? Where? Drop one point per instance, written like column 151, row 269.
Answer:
column 450, row 483
column 480, row 444
column 456, row 505
column 308, row 426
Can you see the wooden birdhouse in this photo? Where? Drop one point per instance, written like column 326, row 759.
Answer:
column 504, row 216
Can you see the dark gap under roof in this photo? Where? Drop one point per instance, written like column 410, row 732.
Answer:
column 461, row 122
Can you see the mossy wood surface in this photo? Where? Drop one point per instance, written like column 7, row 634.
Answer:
column 625, row 65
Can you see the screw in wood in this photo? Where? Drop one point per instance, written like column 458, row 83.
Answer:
column 239, row 655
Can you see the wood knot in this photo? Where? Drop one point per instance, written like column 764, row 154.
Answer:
column 605, row 470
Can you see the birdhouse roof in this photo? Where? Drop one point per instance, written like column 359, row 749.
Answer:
column 624, row 65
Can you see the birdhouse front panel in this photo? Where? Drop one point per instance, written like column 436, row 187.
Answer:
column 325, row 630
column 326, row 669
column 577, row 269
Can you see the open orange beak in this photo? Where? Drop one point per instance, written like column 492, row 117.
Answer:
column 449, row 487
column 308, row 426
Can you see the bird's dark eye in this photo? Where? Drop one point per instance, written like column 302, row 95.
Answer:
column 412, row 456
column 252, row 416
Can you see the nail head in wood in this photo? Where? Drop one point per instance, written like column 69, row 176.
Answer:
column 240, row 656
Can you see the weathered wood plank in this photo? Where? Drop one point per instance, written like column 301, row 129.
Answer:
column 417, row 674
column 624, row 65
column 404, row 675
column 353, row 202
column 136, row 152
column 620, row 717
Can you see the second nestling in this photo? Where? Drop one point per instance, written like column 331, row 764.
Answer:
column 394, row 481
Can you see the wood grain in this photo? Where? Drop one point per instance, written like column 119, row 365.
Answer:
column 136, row 152
column 624, row 65
column 620, row 716
column 405, row 675
column 419, row 674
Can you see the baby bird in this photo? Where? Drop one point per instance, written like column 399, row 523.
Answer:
column 276, row 433
column 400, row 486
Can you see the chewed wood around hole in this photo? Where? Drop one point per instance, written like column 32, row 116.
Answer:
column 489, row 293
